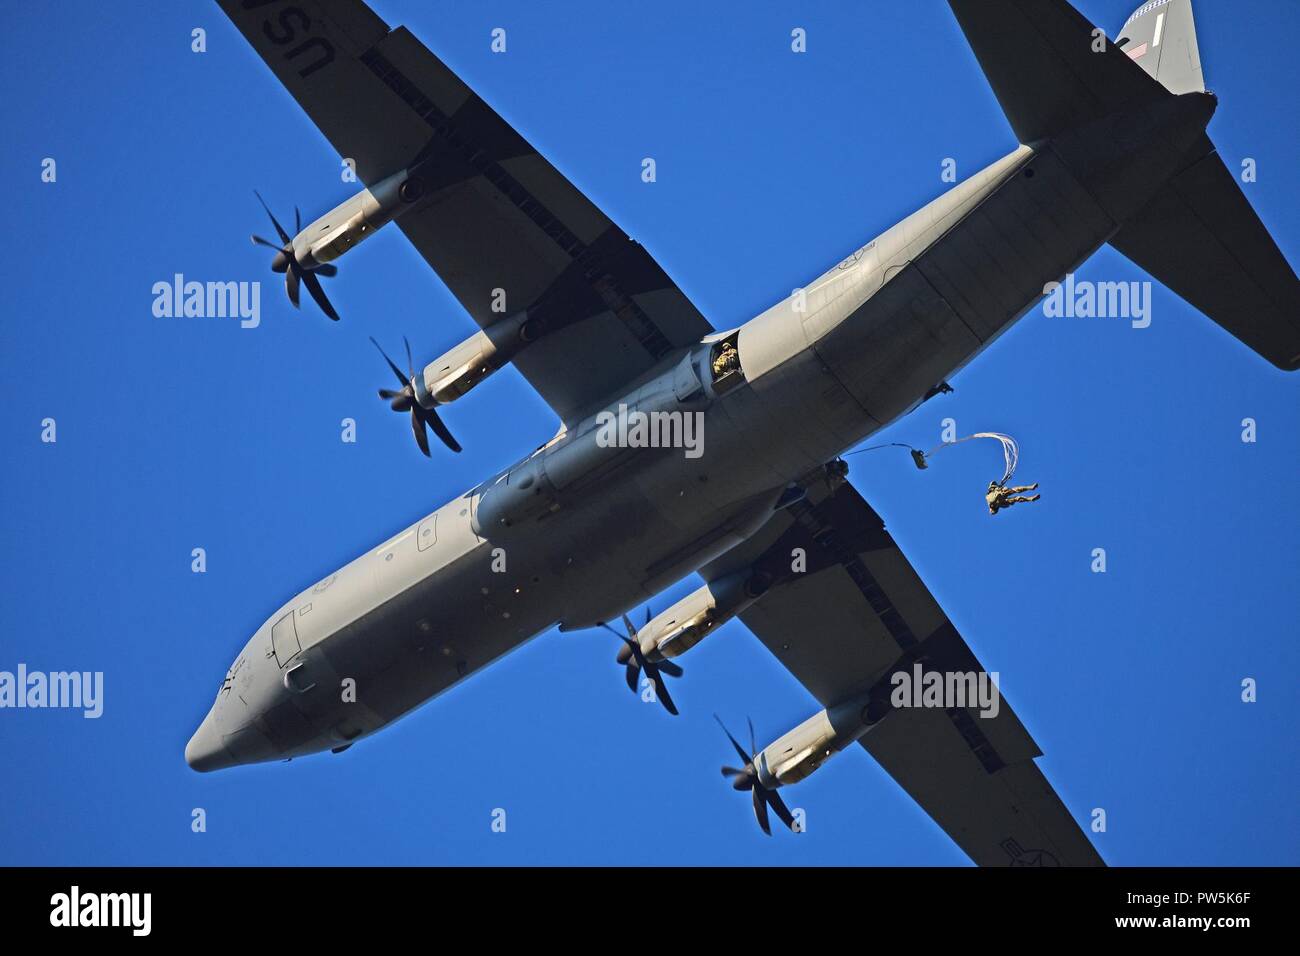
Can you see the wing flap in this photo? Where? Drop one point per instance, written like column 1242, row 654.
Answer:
column 1011, row 817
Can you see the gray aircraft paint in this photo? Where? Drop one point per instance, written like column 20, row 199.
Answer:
column 1161, row 38
column 589, row 532
column 423, row 610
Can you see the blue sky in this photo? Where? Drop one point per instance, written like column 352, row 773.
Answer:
column 183, row 433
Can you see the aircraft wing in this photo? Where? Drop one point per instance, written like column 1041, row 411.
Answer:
column 498, row 215
column 858, row 614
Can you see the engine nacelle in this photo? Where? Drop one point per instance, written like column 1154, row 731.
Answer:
column 454, row 373
column 802, row 751
column 357, row 218
column 696, row 616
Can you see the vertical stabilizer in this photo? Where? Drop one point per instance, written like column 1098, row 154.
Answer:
column 1160, row 37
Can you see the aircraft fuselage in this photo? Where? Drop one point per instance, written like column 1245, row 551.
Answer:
column 583, row 529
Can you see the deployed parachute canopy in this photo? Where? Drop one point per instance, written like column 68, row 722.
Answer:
column 1010, row 452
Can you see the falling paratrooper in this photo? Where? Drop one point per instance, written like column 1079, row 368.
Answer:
column 999, row 494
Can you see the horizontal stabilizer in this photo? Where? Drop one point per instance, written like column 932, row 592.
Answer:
column 1049, row 67
column 1200, row 237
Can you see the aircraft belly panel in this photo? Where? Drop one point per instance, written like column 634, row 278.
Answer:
column 992, row 267
column 897, row 345
column 802, row 401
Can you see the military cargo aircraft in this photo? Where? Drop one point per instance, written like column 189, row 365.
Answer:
column 1112, row 148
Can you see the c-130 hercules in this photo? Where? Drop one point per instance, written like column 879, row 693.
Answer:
column 1113, row 148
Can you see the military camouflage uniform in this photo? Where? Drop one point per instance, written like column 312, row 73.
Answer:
column 999, row 497
column 726, row 360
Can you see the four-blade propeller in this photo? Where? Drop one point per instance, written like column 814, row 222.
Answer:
column 295, row 272
column 747, row 779
column 409, row 399
column 637, row 663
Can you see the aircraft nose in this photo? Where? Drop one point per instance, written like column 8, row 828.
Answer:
column 205, row 752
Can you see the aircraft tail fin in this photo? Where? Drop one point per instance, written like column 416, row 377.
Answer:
column 1160, row 37
column 1200, row 237
column 1053, row 71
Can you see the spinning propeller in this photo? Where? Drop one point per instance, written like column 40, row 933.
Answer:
column 409, row 399
column 636, row 663
column 747, row 779
column 294, row 271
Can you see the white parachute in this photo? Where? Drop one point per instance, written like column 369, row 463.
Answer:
column 1010, row 451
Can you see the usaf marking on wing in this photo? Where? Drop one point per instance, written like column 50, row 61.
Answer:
column 289, row 22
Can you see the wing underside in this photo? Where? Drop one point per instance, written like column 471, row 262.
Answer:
column 501, row 226
column 860, row 613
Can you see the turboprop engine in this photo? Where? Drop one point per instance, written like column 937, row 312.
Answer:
column 357, row 218
column 683, row 626
column 799, row 753
column 308, row 256
column 693, row 618
column 452, row 374
column 459, row 369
